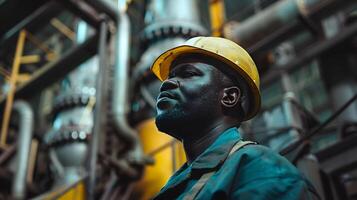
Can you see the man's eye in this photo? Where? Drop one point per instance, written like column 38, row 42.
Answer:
column 186, row 74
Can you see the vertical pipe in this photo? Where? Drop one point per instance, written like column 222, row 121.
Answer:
column 98, row 125
column 120, row 99
column 24, row 145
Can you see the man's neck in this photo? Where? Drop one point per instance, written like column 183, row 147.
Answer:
column 194, row 147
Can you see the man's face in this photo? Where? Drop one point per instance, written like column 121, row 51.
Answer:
column 189, row 99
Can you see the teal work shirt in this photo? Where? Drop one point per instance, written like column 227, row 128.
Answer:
column 253, row 172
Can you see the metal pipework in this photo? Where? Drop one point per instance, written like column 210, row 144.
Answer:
column 170, row 18
column 168, row 24
column 280, row 14
column 105, row 6
column 24, row 145
column 171, row 10
column 98, row 126
column 120, row 101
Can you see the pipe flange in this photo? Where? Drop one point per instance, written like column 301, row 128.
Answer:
column 66, row 102
column 162, row 30
column 68, row 136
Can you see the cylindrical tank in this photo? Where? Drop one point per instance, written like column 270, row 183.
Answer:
column 168, row 155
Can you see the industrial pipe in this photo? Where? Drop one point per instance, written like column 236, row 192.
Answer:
column 24, row 145
column 105, row 6
column 278, row 15
column 120, row 101
column 100, row 88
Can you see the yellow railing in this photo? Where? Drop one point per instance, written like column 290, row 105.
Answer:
column 12, row 87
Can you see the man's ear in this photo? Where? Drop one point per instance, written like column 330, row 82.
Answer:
column 231, row 96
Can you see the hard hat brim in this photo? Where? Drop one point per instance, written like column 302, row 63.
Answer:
column 161, row 69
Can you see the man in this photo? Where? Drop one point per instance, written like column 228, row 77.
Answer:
column 210, row 85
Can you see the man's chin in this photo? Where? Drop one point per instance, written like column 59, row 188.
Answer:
column 163, row 124
column 168, row 125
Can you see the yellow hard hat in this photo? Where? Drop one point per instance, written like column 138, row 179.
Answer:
column 220, row 49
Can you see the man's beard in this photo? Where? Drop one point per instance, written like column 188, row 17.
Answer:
column 185, row 121
column 172, row 121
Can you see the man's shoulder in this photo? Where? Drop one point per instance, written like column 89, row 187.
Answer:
column 256, row 157
column 256, row 151
column 262, row 166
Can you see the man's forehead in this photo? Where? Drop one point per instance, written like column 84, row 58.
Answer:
column 207, row 63
column 185, row 59
column 194, row 60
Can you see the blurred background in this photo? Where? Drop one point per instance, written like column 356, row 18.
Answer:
column 77, row 97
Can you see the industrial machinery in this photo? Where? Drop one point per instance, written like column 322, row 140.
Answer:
column 77, row 98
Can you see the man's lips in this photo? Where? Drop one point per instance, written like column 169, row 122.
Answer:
column 166, row 94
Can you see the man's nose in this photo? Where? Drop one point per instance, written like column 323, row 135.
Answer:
column 169, row 84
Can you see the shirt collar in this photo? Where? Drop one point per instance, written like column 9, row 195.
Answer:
column 212, row 157
column 217, row 153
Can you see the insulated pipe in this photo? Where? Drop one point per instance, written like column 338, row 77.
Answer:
column 105, row 6
column 271, row 19
column 172, row 10
column 120, row 102
column 97, row 128
column 24, row 145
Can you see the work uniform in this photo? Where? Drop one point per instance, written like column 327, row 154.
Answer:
column 252, row 172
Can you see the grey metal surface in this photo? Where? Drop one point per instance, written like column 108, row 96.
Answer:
column 277, row 16
column 23, row 149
